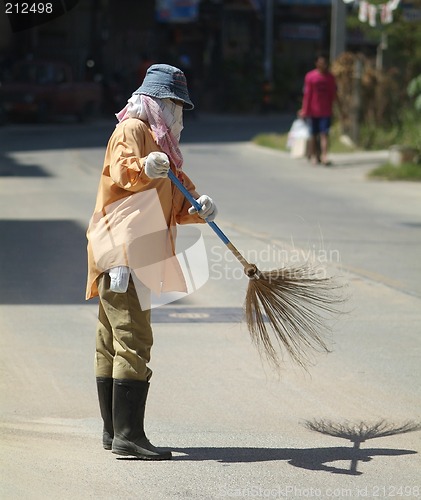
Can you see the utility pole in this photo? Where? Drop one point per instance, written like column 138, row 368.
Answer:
column 268, row 61
column 356, row 100
column 380, row 49
column 337, row 28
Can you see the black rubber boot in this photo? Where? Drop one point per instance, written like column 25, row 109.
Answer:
column 105, row 397
column 129, row 401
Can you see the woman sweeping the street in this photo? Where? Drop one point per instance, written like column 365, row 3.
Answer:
column 131, row 250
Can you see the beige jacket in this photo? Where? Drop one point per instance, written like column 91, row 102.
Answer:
column 135, row 215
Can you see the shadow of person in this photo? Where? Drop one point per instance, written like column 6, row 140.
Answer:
column 316, row 459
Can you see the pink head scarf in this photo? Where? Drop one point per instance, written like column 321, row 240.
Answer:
column 165, row 119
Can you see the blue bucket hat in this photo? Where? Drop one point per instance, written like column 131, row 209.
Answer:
column 165, row 82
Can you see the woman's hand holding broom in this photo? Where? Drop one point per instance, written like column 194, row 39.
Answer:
column 208, row 210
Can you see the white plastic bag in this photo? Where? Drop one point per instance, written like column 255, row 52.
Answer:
column 299, row 130
column 298, row 136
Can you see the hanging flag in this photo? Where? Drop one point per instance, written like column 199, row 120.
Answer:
column 394, row 4
column 372, row 15
column 363, row 11
column 368, row 11
column 386, row 13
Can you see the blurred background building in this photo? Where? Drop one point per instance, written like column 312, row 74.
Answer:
column 222, row 46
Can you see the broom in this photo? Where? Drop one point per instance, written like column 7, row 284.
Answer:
column 294, row 302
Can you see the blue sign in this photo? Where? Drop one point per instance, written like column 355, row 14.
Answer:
column 177, row 11
column 305, row 2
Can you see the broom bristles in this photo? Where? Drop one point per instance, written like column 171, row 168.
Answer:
column 295, row 303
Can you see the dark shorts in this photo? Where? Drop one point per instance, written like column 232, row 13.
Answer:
column 320, row 125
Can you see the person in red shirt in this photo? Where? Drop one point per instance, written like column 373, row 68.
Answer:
column 317, row 106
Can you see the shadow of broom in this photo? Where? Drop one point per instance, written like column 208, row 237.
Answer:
column 360, row 432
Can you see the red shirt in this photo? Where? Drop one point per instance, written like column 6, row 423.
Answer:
column 319, row 94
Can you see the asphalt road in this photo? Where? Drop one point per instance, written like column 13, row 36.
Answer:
column 238, row 430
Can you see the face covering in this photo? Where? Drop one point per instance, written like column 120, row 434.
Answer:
column 173, row 116
column 165, row 119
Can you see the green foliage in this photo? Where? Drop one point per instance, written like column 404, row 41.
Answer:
column 404, row 172
column 373, row 137
column 274, row 141
column 414, row 90
column 386, row 115
column 405, row 132
column 380, row 94
column 403, row 41
column 404, row 46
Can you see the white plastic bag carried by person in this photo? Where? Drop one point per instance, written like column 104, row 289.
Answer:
column 298, row 136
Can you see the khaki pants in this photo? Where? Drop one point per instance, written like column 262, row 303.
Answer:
column 124, row 334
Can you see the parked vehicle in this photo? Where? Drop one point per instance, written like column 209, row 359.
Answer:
column 43, row 90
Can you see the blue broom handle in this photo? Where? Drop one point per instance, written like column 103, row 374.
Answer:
column 197, row 206
column 250, row 269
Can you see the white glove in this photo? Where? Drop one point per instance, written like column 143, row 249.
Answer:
column 119, row 279
column 208, row 211
column 157, row 165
